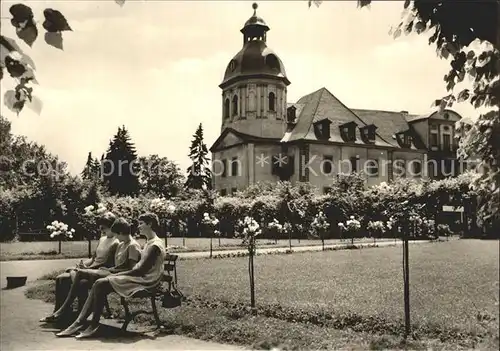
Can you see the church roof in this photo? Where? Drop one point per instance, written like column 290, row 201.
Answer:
column 255, row 59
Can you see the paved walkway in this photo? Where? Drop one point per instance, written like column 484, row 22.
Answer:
column 20, row 330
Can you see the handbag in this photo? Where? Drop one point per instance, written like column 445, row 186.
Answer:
column 172, row 298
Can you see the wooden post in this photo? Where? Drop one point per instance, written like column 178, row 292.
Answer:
column 406, row 279
column 251, row 271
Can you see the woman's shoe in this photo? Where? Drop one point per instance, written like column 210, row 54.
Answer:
column 87, row 333
column 49, row 319
column 70, row 331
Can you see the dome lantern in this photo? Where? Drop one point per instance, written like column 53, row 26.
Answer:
column 255, row 27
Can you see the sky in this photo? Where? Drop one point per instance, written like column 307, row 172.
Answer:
column 155, row 67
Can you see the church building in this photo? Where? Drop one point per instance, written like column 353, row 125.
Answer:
column 265, row 138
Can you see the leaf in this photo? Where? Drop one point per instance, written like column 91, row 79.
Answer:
column 407, row 4
column 420, row 27
column 29, row 33
column 11, row 102
column 35, row 105
column 15, row 68
column 54, row 39
column 463, row 95
column 122, row 2
column 21, row 12
column 8, row 45
column 55, row 21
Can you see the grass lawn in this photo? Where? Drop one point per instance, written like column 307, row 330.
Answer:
column 79, row 249
column 340, row 299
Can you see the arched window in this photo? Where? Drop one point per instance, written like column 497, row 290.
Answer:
column 226, row 108
column 235, row 105
column 272, row 101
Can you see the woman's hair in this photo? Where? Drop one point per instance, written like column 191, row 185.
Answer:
column 106, row 220
column 121, row 226
column 150, row 219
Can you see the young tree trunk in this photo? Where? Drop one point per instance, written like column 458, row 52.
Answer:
column 406, row 278
column 59, row 246
column 89, row 237
column 251, row 274
column 210, row 246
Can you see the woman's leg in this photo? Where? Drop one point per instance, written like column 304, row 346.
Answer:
column 82, row 317
column 76, row 276
column 100, row 291
column 63, row 283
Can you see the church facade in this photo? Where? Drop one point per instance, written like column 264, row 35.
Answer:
column 265, row 138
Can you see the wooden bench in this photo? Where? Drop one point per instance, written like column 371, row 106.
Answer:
column 163, row 291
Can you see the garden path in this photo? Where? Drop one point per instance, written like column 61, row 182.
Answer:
column 20, row 329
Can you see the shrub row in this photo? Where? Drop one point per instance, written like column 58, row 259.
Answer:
column 397, row 202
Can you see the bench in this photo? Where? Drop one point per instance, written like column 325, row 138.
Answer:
column 167, row 291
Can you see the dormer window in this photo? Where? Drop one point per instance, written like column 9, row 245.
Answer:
column 368, row 133
column 322, row 129
column 290, row 114
column 348, row 131
column 404, row 139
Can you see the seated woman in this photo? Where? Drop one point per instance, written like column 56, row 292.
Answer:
column 146, row 274
column 103, row 257
column 126, row 257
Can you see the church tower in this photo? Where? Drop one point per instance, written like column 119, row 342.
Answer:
column 255, row 85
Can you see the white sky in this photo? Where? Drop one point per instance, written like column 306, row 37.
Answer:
column 155, row 66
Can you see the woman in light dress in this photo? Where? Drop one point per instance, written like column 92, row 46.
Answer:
column 145, row 275
column 103, row 257
column 126, row 256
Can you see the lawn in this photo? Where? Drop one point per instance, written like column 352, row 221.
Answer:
column 450, row 282
column 354, row 291
column 79, row 249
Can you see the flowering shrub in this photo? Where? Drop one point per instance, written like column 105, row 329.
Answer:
column 93, row 211
column 211, row 223
column 278, row 228
column 352, row 225
column 163, row 208
column 249, row 229
column 376, row 228
column 57, row 229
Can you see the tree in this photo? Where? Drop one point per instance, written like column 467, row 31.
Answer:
column 199, row 174
column 119, row 166
column 91, row 168
column 454, row 26
column 160, row 176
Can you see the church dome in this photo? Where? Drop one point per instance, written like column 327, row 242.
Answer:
column 255, row 59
